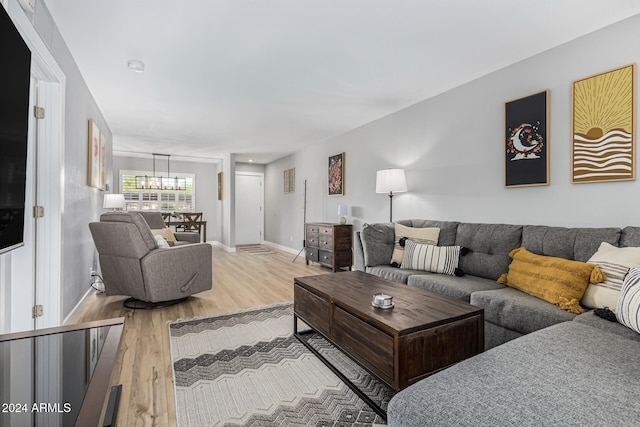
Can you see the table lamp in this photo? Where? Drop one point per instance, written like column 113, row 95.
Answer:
column 342, row 212
column 114, row 201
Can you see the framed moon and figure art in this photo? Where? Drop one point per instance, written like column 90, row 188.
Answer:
column 527, row 141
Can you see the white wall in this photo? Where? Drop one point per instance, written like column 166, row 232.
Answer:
column 81, row 204
column 451, row 147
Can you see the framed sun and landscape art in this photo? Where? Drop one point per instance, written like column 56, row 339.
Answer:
column 603, row 146
column 526, row 161
column 336, row 175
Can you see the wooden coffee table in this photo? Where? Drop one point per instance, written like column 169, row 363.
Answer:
column 423, row 334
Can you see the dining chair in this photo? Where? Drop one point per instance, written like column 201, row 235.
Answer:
column 192, row 221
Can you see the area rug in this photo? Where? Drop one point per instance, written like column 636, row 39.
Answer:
column 246, row 369
column 255, row 249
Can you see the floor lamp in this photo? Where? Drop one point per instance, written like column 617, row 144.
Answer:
column 391, row 181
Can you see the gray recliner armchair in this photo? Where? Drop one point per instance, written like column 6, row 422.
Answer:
column 133, row 265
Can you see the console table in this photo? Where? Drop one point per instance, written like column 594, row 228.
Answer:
column 329, row 244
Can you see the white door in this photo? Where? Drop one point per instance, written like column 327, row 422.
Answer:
column 31, row 274
column 23, row 259
column 249, row 211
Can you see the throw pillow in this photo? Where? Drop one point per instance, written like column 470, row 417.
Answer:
column 614, row 263
column 628, row 309
column 435, row 259
column 160, row 242
column 165, row 232
column 556, row 280
column 426, row 235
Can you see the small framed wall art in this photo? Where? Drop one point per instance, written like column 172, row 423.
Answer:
column 95, row 167
column 604, row 116
column 290, row 180
column 336, row 175
column 526, row 161
column 219, row 185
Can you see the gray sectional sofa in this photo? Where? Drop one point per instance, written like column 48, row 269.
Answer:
column 563, row 368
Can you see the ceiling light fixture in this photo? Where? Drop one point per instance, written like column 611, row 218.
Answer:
column 135, row 65
column 145, row 182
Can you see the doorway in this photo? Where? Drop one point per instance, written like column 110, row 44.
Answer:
column 249, row 208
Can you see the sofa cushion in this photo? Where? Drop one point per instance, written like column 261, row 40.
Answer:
column 424, row 235
column 629, row 236
column 518, row 311
column 556, row 280
column 590, row 318
column 459, row 288
column 569, row 243
column 628, row 310
column 489, row 246
column 567, row 375
column 394, row 274
column 448, row 229
column 377, row 243
column 614, row 263
column 435, row 259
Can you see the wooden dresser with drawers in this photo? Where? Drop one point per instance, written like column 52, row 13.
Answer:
column 329, row 244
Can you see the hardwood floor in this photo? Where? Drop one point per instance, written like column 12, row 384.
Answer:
column 143, row 366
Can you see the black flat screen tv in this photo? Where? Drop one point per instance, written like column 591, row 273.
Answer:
column 15, row 77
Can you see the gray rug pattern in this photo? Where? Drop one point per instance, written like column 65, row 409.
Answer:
column 246, row 369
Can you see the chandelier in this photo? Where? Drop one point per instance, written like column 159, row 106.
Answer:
column 146, row 182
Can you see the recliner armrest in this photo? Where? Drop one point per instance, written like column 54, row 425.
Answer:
column 187, row 236
column 177, row 272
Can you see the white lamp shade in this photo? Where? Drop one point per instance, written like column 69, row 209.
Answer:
column 391, row 180
column 342, row 209
column 114, row 201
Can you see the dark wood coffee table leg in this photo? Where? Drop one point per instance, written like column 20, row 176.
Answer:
column 373, row 405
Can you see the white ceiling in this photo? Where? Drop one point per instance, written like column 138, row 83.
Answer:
column 263, row 78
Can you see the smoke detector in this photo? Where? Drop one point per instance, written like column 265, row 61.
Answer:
column 135, row 65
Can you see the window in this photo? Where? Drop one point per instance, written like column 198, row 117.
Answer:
column 157, row 200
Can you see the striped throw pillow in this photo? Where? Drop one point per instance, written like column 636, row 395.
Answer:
column 614, row 263
column 427, row 235
column 435, row 259
column 628, row 310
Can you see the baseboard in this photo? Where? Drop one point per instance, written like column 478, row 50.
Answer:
column 73, row 310
column 281, row 247
column 222, row 245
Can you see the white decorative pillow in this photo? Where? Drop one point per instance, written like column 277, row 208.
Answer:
column 166, row 233
column 628, row 310
column 425, row 235
column 435, row 259
column 614, row 263
column 161, row 242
